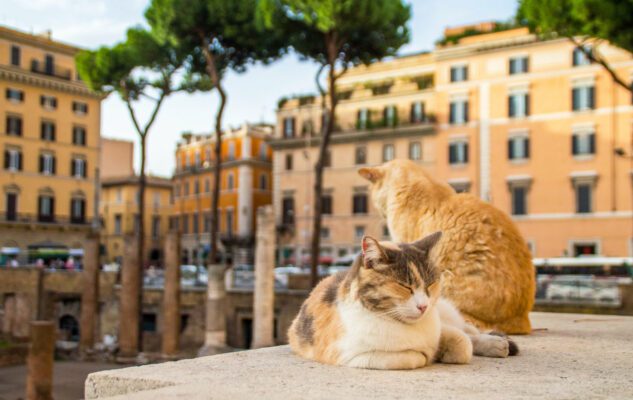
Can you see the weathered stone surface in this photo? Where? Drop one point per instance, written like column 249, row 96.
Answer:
column 264, row 293
column 569, row 356
column 171, row 296
column 129, row 312
column 90, row 295
column 39, row 382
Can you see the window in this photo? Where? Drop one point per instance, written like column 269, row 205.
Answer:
column 185, row 223
column 585, row 249
column 48, row 131
column 459, row 73
column 46, row 208
column 15, row 55
column 288, row 162
column 196, row 158
column 15, row 95
column 359, row 231
column 390, row 115
column 518, row 65
column 11, row 213
column 579, row 57
column 458, row 152
column 326, row 204
column 583, row 97
column 13, row 160
column 289, row 127
column 385, row 232
column 79, row 135
column 49, row 64
column 80, row 108
column 196, row 187
column 186, row 189
column 415, row 151
column 231, row 150
column 155, row 226
column 119, row 196
column 48, row 102
column 583, row 197
column 460, row 185
column 77, row 211
column 359, row 203
column 229, row 222
column 307, row 129
column 148, row 322
column 117, row 224
column 207, row 186
column 583, row 143
column 288, row 211
column 230, row 181
column 417, row 112
column 518, row 148
column 362, row 119
column 360, row 155
column 519, row 200
column 263, row 151
column 47, row 164
column 78, row 168
column 388, row 152
column 518, row 105
column 156, row 199
column 14, row 125
column 325, row 233
column 206, row 226
column 195, row 223
column 458, row 113
column 263, row 182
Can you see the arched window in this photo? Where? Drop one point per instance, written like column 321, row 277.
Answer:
column 46, row 205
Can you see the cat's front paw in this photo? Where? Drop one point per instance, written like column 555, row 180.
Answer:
column 492, row 346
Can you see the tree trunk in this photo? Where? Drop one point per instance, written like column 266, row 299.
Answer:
column 215, row 199
column 141, row 238
column 318, row 168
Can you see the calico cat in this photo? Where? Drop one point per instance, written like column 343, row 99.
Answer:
column 491, row 278
column 385, row 313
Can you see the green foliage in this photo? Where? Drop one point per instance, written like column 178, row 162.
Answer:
column 610, row 20
column 423, row 81
column 140, row 64
column 229, row 28
column 360, row 31
column 499, row 27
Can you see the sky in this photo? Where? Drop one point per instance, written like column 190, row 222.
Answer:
column 252, row 95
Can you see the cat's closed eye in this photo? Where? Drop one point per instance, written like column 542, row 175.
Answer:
column 409, row 288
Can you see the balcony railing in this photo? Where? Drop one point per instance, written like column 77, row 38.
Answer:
column 25, row 218
column 40, row 67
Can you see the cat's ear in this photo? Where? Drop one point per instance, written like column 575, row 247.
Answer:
column 372, row 252
column 427, row 242
column 372, row 174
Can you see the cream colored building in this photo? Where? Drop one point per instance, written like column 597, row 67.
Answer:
column 49, row 138
column 119, row 210
column 526, row 124
column 117, row 158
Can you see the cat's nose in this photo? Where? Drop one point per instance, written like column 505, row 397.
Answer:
column 422, row 308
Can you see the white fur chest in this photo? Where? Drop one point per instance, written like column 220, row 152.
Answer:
column 364, row 331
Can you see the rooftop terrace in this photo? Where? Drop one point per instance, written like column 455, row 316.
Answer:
column 569, row 356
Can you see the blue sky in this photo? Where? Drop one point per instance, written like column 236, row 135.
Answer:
column 252, row 96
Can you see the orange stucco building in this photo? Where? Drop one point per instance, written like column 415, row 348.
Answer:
column 525, row 123
column 246, row 183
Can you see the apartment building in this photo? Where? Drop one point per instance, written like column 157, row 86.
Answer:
column 117, row 158
column 525, row 123
column 119, row 210
column 49, row 138
column 245, row 185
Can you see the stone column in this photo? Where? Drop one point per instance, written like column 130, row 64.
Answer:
column 39, row 381
column 215, row 335
column 171, row 297
column 264, row 294
column 89, row 296
column 129, row 298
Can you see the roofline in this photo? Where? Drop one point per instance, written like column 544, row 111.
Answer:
column 37, row 40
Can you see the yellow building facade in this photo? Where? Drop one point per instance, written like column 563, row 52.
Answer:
column 524, row 123
column 119, row 211
column 246, row 184
column 49, row 138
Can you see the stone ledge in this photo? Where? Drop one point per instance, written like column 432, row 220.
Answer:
column 570, row 356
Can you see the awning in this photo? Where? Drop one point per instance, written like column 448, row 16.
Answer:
column 10, row 250
column 76, row 252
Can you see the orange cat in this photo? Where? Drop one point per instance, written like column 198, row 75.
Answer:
column 492, row 276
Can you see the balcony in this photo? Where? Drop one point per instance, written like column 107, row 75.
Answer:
column 40, row 67
column 29, row 219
